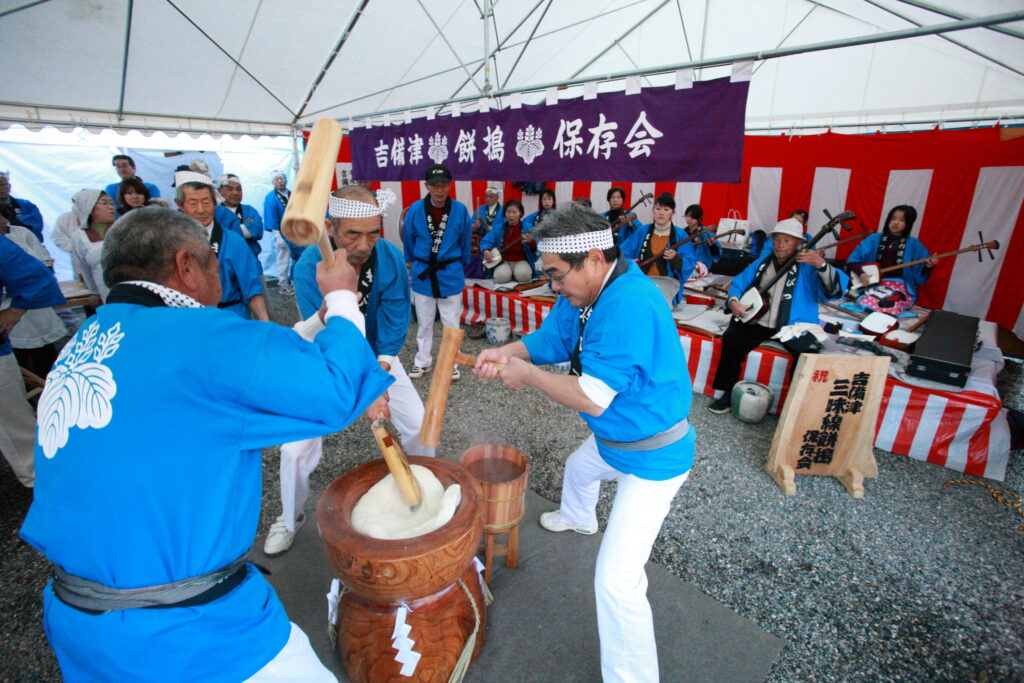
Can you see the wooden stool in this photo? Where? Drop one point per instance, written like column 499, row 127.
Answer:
column 502, row 472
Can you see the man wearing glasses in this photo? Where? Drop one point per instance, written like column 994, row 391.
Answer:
column 629, row 382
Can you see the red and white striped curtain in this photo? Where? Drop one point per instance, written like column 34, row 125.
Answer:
column 960, row 182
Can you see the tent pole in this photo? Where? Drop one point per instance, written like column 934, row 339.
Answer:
column 615, row 42
column 356, row 13
column 952, row 40
column 956, row 15
column 978, row 22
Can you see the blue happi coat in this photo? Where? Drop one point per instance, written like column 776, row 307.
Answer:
column 808, row 290
column 28, row 216
column 631, row 250
column 496, row 238
column 481, row 213
column 227, row 217
column 273, row 212
column 149, row 471
column 631, row 344
column 912, row 276
column 239, row 273
column 455, row 250
column 28, row 282
column 387, row 311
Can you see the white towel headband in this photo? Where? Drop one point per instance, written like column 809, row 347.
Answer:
column 580, row 243
column 352, row 208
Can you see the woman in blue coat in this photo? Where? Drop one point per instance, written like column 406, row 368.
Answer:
column 894, row 246
column 656, row 238
column 512, row 235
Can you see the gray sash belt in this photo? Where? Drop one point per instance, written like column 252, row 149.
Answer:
column 659, row 440
column 92, row 596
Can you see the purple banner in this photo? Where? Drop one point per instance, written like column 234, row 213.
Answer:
column 662, row 134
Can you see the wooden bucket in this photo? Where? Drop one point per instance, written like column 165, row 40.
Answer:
column 380, row 575
column 502, row 472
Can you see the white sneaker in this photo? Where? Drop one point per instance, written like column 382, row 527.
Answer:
column 417, row 372
column 554, row 521
column 279, row 539
column 455, row 373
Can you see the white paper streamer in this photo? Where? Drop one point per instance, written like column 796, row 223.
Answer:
column 401, row 641
column 332, row 602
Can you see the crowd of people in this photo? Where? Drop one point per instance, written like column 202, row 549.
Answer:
column 167, row 586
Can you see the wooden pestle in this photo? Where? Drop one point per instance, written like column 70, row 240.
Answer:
column 303, row 220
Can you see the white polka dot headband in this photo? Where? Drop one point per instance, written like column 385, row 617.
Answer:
column 580, row 243
column 352, row 208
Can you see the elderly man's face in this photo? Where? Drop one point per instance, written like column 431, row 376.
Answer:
column 439, row 191
column 5, row 188
column 491, row 198
column 358, row 236
column 784, row 246
column 579, row 285
column 232, row 193
column 198, row 204
column 280, row 183
column 124, row 168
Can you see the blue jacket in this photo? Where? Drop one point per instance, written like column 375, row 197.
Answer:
column 239, row 273
column 912, row 276
column 273, row 212
column 387, row 312
column 530, row 221
column 631, row 344
column 112, row 189
column 806, row 295
column 152, row 422
column 496, row 238
column 708, row 253
column 455, row 250
column 631, row 250
column 28, row 216
column 253, row 223
column 28, row 282
column 481, row 213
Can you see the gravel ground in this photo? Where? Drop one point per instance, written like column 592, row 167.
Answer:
column 915, row 582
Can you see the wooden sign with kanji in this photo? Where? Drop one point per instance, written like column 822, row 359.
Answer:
column 828, row 422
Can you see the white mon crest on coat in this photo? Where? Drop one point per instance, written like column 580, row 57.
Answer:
column 80, row 387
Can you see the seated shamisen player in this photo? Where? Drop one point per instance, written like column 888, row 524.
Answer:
column 629, row 382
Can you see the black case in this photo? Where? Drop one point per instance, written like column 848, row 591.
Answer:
column 944, row 351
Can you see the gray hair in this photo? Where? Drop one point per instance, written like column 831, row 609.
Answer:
column 179, row 192
column 574, row 220
column 143, row 244
column 357, row 193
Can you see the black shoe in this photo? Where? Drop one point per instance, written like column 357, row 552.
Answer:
column 722, row 404
column 477, row 331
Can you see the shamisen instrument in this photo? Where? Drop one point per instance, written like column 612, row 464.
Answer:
column 753, row 300
column 303, row 220
column 875, row 324
column 497, row 254
column 646, row 263
column 629, row 215
column 874, row 273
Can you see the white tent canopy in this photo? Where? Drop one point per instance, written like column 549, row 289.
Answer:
column 268, row 67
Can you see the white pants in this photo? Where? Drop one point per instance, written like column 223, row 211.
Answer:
column 624, row 622
column 520, row 271
column 284, row 258
column 300, row 458
column 295, row 662
column 17, row 422
column 451, row 310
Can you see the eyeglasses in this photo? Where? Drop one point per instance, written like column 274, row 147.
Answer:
column 555, row 278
